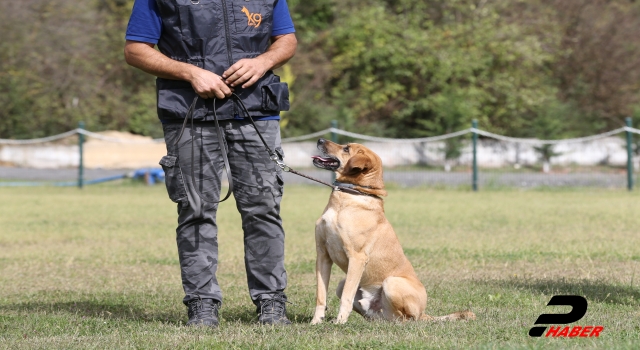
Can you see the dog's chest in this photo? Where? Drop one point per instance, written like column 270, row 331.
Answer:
column 329, row 229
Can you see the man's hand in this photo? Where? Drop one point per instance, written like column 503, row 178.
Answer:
column 205, row 83
column 208, row 84
column 246, row 72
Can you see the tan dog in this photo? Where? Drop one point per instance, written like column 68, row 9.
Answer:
column 354, row 233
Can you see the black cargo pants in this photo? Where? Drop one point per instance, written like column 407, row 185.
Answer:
column 257, row 189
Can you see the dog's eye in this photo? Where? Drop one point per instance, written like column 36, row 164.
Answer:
column 346, row 149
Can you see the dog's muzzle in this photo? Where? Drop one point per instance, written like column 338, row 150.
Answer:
column 326, row 161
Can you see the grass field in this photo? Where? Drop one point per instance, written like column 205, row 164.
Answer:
column 98, row 268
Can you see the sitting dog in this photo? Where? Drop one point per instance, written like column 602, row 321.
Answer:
column 354, row 233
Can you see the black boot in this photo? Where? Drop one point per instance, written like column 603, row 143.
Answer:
column 203, row 312
column 272, row 309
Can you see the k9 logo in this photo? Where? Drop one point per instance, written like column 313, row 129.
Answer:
column 579, row 305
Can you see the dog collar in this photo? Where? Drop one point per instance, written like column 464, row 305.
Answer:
column 351, row 189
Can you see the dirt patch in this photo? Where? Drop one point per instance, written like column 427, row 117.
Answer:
column 122, row 150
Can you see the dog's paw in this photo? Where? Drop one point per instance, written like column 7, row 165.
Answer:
column 316, row 320
column 340, row 320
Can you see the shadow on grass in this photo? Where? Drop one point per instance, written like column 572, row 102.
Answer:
column 98, row 309
column 594, row 291
column 136, row 313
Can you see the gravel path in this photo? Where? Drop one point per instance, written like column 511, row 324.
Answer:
column 30, row 174
column 435, row 178
column 401, row 178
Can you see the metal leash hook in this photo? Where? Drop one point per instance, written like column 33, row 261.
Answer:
column 274, row 157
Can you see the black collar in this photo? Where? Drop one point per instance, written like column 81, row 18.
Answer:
column 351, row 189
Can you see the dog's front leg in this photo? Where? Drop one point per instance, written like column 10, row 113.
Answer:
column 323, row 272
column 351, row 284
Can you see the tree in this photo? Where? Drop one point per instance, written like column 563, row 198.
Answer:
column 61, row 62
column 433, row 68
column 397, row 68
column 599, row 71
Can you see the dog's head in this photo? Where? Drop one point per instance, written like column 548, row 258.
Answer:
column 353, row 163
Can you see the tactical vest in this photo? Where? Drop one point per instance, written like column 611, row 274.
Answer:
column 213, row 35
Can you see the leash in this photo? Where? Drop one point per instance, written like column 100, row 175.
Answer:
column 273, row 156
column 223, row 149
column 279, row 162
column 336, row 186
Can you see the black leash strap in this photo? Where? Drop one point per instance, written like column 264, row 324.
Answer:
column 276, row 159
column 337, row 186
column 223, row 149
column 272, row 155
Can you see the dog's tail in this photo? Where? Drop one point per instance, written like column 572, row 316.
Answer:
column 466, row 315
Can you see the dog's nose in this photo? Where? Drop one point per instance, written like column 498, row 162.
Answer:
column 321, row 142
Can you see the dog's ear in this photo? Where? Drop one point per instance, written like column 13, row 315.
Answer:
column 357, row 164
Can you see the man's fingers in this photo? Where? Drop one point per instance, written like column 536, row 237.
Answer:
column 226, row 91
column 223, row 91
column 246, row 72
column 211, row 93
column 210, row 85
column 242, row 78
column 233, row 79
column 217, row 90
column 220, row 94
column 203, row 94
column 206, row 93
column 229, row 72
column 251, row 81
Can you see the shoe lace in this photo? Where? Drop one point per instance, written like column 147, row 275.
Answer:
column 198, row 307
column 274, row 306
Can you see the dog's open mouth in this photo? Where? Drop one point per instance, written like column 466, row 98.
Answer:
column 329, row 163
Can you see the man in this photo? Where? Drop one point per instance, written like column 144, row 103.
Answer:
column 214, row 48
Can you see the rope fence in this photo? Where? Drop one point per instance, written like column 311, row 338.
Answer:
column 337, row 131
column 333, row 131
column 460, row 133
column 77, row 131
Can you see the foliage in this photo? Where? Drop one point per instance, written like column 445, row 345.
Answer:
column 421, row 77
column 397, row 68
column 62, row 62
column 599, row 71
column 402, row 68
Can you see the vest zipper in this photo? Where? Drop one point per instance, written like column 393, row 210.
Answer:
column 226, row 32
column 228, row 39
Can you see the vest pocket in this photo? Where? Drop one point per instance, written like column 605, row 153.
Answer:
column 252, row 16
column 200, row 19
column 275, row 97
column 174, row 99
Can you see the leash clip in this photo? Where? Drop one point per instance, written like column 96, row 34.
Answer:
column 274, row 157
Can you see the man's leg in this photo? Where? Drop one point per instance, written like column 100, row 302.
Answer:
column 258, row 188
column 196, row 234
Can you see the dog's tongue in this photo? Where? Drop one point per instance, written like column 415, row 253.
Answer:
column 322, row 159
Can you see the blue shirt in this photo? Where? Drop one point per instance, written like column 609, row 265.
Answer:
column 145, row 25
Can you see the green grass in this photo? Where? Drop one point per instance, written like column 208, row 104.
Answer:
column 98, row 268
